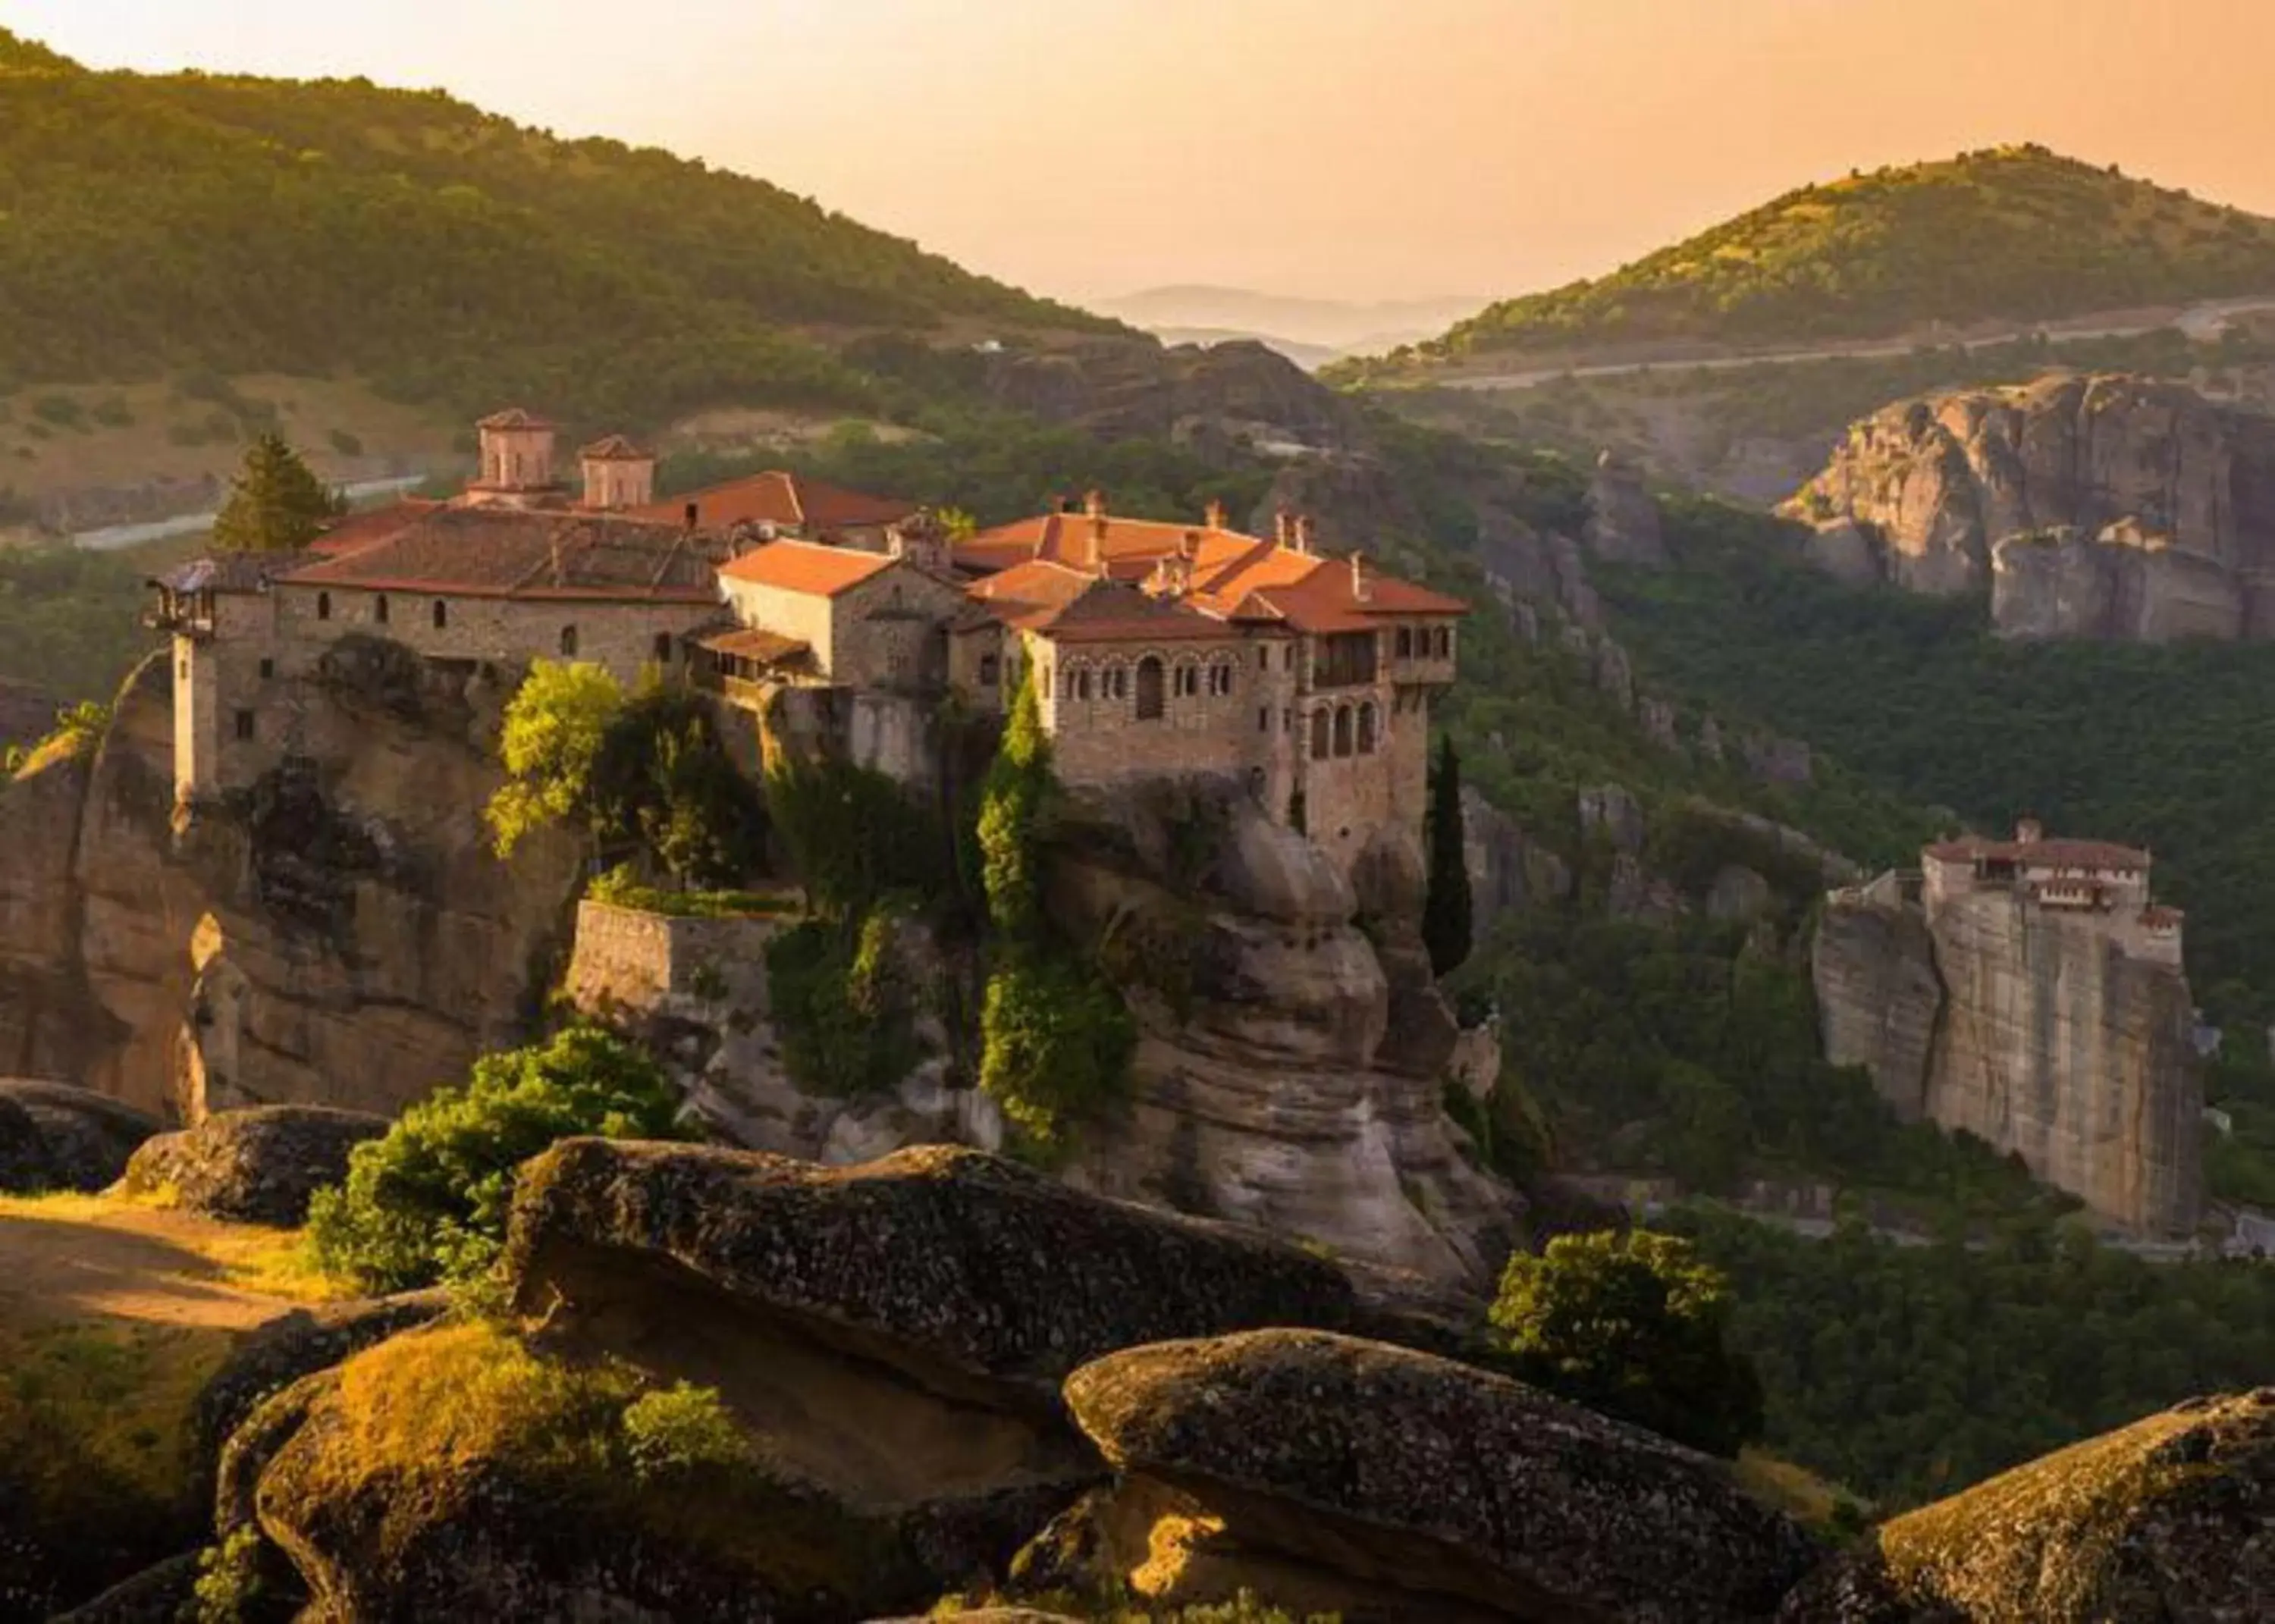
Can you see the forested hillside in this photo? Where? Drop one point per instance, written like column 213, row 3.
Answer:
column 234, row 225
column 2009, row 234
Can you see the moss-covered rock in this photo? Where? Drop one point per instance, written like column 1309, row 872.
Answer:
column 462, row 1472
column 259, row 1166
column 84, row 1138
column 1409, row 1473
column 973, row 1274
column 2170, row 1521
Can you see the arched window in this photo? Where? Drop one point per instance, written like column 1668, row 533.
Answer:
column 1188, row 679
column 1343, row 730
column 323, row 605
column 1366, row 728
column 1118, row 682
column 1149, row 689
column 663, row 648
column 1081, row 684
column 1220, row 679
column 1442, row 642
column 569, row 641
column 442, row 614
column 1406, row 642
column 379, row 609
column 1264, row 658
column 1320, row 723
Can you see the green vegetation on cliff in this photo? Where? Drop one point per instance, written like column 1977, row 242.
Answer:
column 199, row 223
column 2008, row 234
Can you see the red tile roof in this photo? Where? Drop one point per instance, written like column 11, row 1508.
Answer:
column 1072, row 606
column 807, row 567
column 360, row 529
column 512, row 417
column 522, row 553
column 1235, row 577
column 615, row 449
column 2043, row 853
column 786, row 501
column 763, row 647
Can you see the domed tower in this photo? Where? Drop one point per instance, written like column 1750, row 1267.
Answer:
column 617, row 475
column 517, row 469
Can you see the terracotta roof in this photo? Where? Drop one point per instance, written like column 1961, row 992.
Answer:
column 512, row 417
column 229, row 572
column 765, row 647
column 2042, row 853
column 615, row 449
column 358, row 529
column 1235, row 577
column 1072, row 606
column 807, row 567
column 524, row 553
column 785, row 499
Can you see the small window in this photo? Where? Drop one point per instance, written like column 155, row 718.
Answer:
column 663, row 648
column 379, row 609
column 1149, row 689
column 1320, row 724
column 1264, row 720
column 1220, row 679
column 442, row 614
column 569, row 641
column 323, row 605
column 1287, row 656
column 1082, row 685
column 1366, row 729
column 1264, row 659
column 1406, row 642
column 268, row 669
column 243, row 720
column 1343, row 731
column 990, row 670
column 1443, row 642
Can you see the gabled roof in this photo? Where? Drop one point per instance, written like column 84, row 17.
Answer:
column 615, row 449
column 807, row 567
column 512, row 417
column 788, row 501
column 1072, row 606
column 361, row 529
column 1065, row 537
column 524, row 553
column 229, row 572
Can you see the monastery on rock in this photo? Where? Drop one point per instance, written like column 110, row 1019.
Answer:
column 1155, row 647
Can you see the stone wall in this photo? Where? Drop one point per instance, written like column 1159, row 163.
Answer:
column 630, row 957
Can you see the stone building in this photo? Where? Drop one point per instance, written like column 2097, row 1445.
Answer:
column 2031, row 992
column 1162, row 647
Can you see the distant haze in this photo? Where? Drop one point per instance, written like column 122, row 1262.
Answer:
column 1352, row 150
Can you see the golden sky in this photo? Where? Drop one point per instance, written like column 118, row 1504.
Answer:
column 1348, row 148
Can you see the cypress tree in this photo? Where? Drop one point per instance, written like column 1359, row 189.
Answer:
column 278, row 504
column 1445, row 922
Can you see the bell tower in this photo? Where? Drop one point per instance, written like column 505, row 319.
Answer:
column 517, row 469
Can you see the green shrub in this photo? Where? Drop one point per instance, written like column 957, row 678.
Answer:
column 1057, row 1043
column 229, row 1580
column 856, row 836
column 846, row 1021
column 1634, row 1325
column 681, row 1428
column 428, row 1201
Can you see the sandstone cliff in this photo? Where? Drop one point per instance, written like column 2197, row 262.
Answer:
column 341, row 934
column 2161, row 507
column 2031, row 1030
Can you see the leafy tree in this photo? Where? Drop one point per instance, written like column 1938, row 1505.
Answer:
column 1633, row 1324
column 1445, row 922
column 429, row 1200
column 555, row 725
column 277, row 504
column 664, row 785
column 1012, row 802
column 1056, row 1041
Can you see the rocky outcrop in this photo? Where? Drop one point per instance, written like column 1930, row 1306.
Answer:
column 1510, row 871
column 341, row 934
column 2031, row 1028
column 257, row 1167
column 1622, row 517
column 1291, row 1060
column 54, row 1137
column 2152, row 509
column 2169, row 1520
column 2120, row 585
column 1467, row 1492
column 1204, row 397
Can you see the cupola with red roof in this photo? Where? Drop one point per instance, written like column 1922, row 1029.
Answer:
column 516, row 459
column 618, row 475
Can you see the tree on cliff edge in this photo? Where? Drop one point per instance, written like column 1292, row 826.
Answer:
column 276, row 505
column 1446, row 919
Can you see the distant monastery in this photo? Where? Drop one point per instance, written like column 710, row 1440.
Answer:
column 1154, row 648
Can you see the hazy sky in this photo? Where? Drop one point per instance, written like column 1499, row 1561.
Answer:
column 1361, row 149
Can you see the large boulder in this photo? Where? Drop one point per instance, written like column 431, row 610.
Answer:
column 258, row 1165
column 2170, row 1521
column 973, row 1276
column 85, row 1139
column 1409, row 1473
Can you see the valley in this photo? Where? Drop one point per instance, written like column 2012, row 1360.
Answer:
column 866, row 946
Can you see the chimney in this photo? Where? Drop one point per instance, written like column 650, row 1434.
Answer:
column 1093, row 505
column 2029, row 832
column 1359, row 588
column 1307, row 539
column 1283, row 528
column 1213, row 516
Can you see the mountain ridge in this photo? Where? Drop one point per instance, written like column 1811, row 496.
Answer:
column 2011, row 233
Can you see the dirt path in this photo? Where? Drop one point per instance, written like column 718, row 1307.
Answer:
column 66, row 1259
